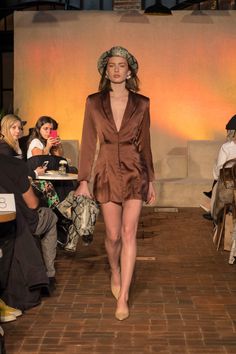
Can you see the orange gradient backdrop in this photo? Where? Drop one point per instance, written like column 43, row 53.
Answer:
column 187, row 68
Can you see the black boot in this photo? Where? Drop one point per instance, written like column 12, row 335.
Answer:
column 208, row 194
column 207, row 216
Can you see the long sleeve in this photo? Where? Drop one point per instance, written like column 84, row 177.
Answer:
column 222, row 158
column 145, row 143
column 88, row 145
column 6, row 149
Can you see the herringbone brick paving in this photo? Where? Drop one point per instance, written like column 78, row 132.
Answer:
column 183, row 298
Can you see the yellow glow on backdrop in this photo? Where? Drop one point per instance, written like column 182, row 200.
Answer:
column 186, row 68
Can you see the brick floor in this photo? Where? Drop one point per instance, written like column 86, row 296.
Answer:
column 183, row 298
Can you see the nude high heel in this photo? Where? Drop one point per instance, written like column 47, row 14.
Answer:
column 121, row 316
column 122, row 313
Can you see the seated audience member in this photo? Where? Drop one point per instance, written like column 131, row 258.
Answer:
column 41, row 142
column 41, row 221
column 11, row 128
column 226, row 153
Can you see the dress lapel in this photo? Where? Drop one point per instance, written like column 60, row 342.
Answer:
column 129, row 110
column 106, row 105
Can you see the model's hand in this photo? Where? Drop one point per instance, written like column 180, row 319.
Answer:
column 151, row 196
column 83, row 190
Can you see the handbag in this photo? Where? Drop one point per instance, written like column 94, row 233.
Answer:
column 83, row 212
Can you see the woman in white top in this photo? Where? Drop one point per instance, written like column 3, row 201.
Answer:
column 226, row 153
column 228, row 149
column 41, row 142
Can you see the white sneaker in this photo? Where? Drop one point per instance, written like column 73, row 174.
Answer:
column 205, row 208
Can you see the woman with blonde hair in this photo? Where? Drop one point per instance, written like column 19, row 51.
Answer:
column 11, row 128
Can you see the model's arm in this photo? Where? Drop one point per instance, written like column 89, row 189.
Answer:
column 87, row 152
column 221, row 159
column 145, row 144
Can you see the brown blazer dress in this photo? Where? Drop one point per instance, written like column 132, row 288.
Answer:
column 124, row 164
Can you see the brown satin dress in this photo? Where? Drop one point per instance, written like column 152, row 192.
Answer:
column 124, row 164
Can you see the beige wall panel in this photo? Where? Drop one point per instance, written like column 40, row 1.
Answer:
column 187, row 68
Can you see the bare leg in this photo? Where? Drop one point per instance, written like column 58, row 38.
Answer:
column 112, row 214
column 130, row 217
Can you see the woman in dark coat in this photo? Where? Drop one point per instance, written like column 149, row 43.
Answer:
column 119, row 118
column 11, row 128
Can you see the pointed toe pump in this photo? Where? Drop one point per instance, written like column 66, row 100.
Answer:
column 122, row 315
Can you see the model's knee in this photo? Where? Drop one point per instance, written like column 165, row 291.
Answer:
column 112, row 239
column 128, row 233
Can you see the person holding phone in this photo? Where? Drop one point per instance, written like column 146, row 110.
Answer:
column 45, row 164
column 44, row 139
